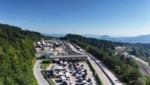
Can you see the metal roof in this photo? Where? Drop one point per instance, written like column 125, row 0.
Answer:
column 69, row 56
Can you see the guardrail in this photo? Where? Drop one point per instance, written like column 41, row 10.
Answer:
column 106, row 74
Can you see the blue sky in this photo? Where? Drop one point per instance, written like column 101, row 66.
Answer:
column 99, row 17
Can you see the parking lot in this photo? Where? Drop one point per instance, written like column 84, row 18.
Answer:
column 72, row 73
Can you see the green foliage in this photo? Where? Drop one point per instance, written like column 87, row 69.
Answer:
column 138, row 49
column 45, row 63
column 16, row 55
column 147, row 80
column 140, row 81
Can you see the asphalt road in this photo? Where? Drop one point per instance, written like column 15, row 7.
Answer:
column 100, row 73
column 105, row 72
column 38, row 75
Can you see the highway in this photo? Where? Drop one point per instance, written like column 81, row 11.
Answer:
column 110, row 76
column 38, row 75
column 100, row 73
column 107, row 77
column 69, row 49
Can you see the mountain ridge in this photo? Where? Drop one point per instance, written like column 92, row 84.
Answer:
column 132, row 39
column 136, row 39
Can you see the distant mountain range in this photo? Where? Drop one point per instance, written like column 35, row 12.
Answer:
column 136, row 39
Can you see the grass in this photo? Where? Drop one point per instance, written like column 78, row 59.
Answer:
column 45, row 63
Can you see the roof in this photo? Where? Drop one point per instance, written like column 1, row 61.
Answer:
column 69, row 56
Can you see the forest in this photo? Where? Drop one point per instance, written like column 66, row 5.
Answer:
column 126, row 69
column 16, row 55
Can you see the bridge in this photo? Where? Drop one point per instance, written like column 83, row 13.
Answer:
column 70, row 57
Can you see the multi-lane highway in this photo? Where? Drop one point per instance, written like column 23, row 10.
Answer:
column 100, row 73
column 107, row 77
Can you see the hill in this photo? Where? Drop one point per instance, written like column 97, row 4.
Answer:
column 16, row 55
column 136, row 39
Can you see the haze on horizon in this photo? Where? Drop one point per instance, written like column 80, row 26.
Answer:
column 98, row 17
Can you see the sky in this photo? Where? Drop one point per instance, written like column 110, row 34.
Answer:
column 98, row 17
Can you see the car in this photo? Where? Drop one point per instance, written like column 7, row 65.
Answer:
column 89, row 80
column 84, row 82
column 73, row 74
column 79, row 80
column 71, row 83
column 90, row 83
column 64, row 83
column 84, row 76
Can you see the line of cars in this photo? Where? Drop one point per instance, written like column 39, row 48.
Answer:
column 80, row 73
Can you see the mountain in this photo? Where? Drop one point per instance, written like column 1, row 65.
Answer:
column 91, row 36
column 136, row 39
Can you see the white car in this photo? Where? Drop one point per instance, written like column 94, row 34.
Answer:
column 71, row 83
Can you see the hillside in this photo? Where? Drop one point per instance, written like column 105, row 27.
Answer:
column 16, row 55
column 127, row 69
column 139, row 50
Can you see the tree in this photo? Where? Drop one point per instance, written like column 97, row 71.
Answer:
column 16, row 55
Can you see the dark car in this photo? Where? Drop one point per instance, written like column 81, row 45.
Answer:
column 64, row 83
